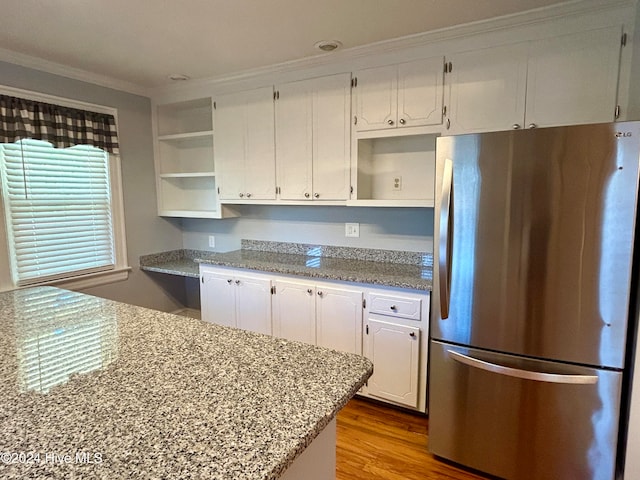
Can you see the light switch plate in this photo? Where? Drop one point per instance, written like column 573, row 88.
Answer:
column 212, row 241
column 351, row 229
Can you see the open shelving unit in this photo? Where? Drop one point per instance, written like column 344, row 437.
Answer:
column 185, row 167
column 394, row 171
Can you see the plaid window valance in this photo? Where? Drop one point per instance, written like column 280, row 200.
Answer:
column 62, row 126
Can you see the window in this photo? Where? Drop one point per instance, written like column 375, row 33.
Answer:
column 61, row 204
column 58, row 210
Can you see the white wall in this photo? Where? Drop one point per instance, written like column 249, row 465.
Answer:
column 408, row 229
column 145, row 231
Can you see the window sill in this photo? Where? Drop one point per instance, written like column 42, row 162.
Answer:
column 89, row 280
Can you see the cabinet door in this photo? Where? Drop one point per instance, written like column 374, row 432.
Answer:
column 217, row 298
column 260, row 164
column 395, row 352
column 573, row 79
column 294, row 140
column 339, row 319
column 229, row 145
column 294, row 311
column 377, row 98
column 487, row 89
column 420, row 92
column 332, row 137
column 253, row 304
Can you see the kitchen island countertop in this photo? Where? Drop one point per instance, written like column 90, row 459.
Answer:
column 128, row 392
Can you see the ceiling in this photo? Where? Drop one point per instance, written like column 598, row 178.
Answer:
column 141, row 42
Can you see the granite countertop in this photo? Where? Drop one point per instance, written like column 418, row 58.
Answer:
column 137, row 393
column 412, row 270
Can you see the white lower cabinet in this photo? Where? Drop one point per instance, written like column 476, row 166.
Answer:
column 395, row 339
column 294, row 311
column 242, row 301
column 389, row 326
column 339, row 319
column 395, row 351
column 319, row 314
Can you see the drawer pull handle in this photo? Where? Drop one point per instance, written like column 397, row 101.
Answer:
column 524, row 374
column 393, row 307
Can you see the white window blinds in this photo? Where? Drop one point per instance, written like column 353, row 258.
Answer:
column 58, row 210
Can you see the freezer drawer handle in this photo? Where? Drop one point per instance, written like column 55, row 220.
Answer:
column 525, row 374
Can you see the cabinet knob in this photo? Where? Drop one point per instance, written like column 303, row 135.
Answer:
column 390, row 122
column 393, row 307
column 309, row 291
column 532, row 125
column 412, row 334
column 241, row 195
column 316, row 195
column 229, row 281
column 402, row 121
column 319, row 293
column 306, row 195
column 516, row 126
column 248, row 195
column 237, row 282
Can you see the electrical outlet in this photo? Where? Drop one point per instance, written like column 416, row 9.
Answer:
column 351, row 229
column 212, row 241
column 397, row 182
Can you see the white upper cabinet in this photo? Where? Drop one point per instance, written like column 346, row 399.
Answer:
column 405, row 95
column 313, row 138
column 573, row 78
column 376, row 98
column 564, row 80
column 487, row 89
column 244, row 147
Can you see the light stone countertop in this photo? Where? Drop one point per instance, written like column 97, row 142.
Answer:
column 150, row 395
column 379, row 267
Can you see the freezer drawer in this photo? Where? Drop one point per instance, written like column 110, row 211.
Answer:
column 522, row 419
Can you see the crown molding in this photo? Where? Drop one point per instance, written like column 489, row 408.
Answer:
column 566, row 9
column 531, row 17
column 54, row 68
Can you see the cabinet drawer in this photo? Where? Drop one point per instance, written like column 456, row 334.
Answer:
column 394, row 306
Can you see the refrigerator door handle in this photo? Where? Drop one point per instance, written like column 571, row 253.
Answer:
column 524, row 374
column 444, row 253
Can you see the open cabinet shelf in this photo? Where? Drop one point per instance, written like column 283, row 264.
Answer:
column 185, row 166
column 395, row 171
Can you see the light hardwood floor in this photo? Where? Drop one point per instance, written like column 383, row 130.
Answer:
column 376, row 442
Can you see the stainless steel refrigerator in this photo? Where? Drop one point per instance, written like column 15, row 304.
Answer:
column 531, row 299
